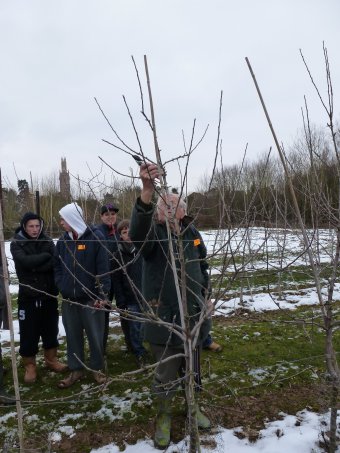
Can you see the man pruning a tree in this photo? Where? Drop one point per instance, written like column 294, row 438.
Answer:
column 161, row 293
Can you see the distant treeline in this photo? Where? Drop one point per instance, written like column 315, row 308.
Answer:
column 17, row 202
column 259, row 194
column 243, row 195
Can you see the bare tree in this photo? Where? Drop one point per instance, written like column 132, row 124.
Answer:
column 315, row 194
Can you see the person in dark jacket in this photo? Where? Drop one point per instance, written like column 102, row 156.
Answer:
column 82, row 276
column 108, row 215
column 161, row 295
column 128, row 284
column 38, row 315
column 4, row 324
column 5, row 398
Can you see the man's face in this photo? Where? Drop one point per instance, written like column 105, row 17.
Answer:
column 124, row 234
column 109, row 218
column 65, row 225
column 32, row 228
column 170, row 208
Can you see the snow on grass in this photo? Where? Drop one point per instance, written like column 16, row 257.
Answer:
column 268, row 248
column 294, row 433
column 264, row 301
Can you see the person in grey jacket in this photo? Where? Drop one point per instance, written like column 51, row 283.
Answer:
column 83, row 278
column 159, row 290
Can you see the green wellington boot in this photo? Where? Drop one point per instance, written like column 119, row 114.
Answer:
column 163, row 425
column 203, row 421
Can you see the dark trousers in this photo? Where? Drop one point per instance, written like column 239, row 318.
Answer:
column 170, row 374
column 124, row 323
column 37, row 319
column 136, row 331
column 106, row 329
column 4, row 322
column 207, row 342
column 1, row 371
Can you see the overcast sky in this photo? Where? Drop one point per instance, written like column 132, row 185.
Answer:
column 56, row 56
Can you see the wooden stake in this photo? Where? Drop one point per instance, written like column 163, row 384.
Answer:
column 11, row 329
column 292, row 192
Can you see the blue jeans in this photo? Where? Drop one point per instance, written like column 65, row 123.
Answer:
column 207, row 342
column 136, row 330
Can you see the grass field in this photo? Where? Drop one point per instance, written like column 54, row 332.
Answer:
column 272, row 363
column 269, row 365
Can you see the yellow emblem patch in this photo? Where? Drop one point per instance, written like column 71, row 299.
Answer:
column 81, row 247
column 197, row 242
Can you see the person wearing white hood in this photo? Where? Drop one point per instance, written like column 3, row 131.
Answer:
column 82, row 277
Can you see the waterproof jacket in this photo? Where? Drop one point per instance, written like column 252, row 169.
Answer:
column 111, row 244
column 158, row 284
column 2, row 287
column 111, row 240
column 78, row 263
column 127, row 267
column 33, row 259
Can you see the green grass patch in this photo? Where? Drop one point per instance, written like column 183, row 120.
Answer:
column 269, row 363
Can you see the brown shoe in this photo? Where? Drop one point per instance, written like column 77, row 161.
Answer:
column 214, row 347
column 72, row 378
column 99, row 377
column 52, row 362
column 30, row 370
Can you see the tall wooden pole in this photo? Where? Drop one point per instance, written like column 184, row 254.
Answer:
column 11, row 329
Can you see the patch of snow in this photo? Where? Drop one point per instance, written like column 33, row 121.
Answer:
column 55, row 437
column 295, row 433
column 67, row 430
column 70, row 417
column 258, row 373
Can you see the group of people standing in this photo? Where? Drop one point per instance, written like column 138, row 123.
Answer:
column 85, row 268
column 130, row 262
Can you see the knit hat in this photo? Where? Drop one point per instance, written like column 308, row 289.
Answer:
column 108, row 207
column 73, row 215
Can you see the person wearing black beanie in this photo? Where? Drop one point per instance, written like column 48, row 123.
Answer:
column 33, row 255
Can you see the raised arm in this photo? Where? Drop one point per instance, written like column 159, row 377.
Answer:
column 148, row 173
column 141, row 227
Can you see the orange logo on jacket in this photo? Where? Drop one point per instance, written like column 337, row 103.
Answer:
column 197, row 242
column 81, row 247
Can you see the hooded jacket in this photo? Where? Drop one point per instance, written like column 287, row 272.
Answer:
column 111, row 242
column 158, row 284
column 81, row 264
column 33, row 259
